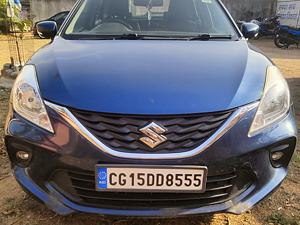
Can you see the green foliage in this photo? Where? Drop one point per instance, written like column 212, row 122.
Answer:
column 3, row 17
column 279, row 219
column 5, row 21
column 22, row 25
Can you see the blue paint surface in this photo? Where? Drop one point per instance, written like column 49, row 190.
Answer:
column 150, row 76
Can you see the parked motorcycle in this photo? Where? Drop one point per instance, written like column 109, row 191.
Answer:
column 266, row 27
column 286, row 36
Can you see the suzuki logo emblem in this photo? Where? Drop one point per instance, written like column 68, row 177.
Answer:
column 153, row 131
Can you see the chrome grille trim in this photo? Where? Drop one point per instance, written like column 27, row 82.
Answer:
column 232, row 120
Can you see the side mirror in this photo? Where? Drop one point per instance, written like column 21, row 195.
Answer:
column 47, row 29
column 249, row 30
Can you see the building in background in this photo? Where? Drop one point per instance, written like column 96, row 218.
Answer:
column 251, row 9
column 289, row 12
column 25, row 12
column 42, row 9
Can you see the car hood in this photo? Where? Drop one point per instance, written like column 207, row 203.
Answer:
column 150, row 76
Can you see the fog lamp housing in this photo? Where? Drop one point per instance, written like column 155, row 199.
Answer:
column 20, row 152
column 281, row 153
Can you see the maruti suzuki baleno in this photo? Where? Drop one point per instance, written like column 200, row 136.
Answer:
column 149, row 108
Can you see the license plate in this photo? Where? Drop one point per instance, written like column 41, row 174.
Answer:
column 154, row 178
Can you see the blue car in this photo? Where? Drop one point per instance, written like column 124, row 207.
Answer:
column 150, row 108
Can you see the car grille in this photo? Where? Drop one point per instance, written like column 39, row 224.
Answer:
column 220, row 187
column 121, row 132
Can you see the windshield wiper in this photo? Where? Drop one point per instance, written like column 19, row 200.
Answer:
column 206, row 37
column 125, row 36
column 97, row 37
column 135, row 36
column 128, row 36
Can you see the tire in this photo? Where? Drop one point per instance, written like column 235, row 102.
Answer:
column 258, row 35
column 278, row 42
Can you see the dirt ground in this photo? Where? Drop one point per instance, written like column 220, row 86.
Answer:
column 283, row 207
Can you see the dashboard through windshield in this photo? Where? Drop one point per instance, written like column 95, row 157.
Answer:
column 105, row 19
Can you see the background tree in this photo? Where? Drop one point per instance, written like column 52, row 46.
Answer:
column 3, row 17
column 12, row 23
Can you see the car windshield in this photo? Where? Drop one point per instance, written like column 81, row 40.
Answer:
column 133, row 19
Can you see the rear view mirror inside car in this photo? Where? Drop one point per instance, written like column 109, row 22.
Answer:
column 153, row 3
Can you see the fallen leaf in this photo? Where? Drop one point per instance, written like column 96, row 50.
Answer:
column 8, row 212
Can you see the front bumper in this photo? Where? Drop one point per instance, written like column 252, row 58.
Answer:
column 241, row 161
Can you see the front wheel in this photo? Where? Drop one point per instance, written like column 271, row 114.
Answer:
column 260, row 34
column 278, row 42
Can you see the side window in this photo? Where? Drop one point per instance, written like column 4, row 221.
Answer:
column 60, row 16
column 64, row 15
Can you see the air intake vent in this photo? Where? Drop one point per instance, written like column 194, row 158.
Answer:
column 220, row 187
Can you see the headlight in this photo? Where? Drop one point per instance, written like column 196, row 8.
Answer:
column 27, row 101
column 275, row 101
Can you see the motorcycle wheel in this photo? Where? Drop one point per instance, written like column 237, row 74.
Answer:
column 278, row 42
